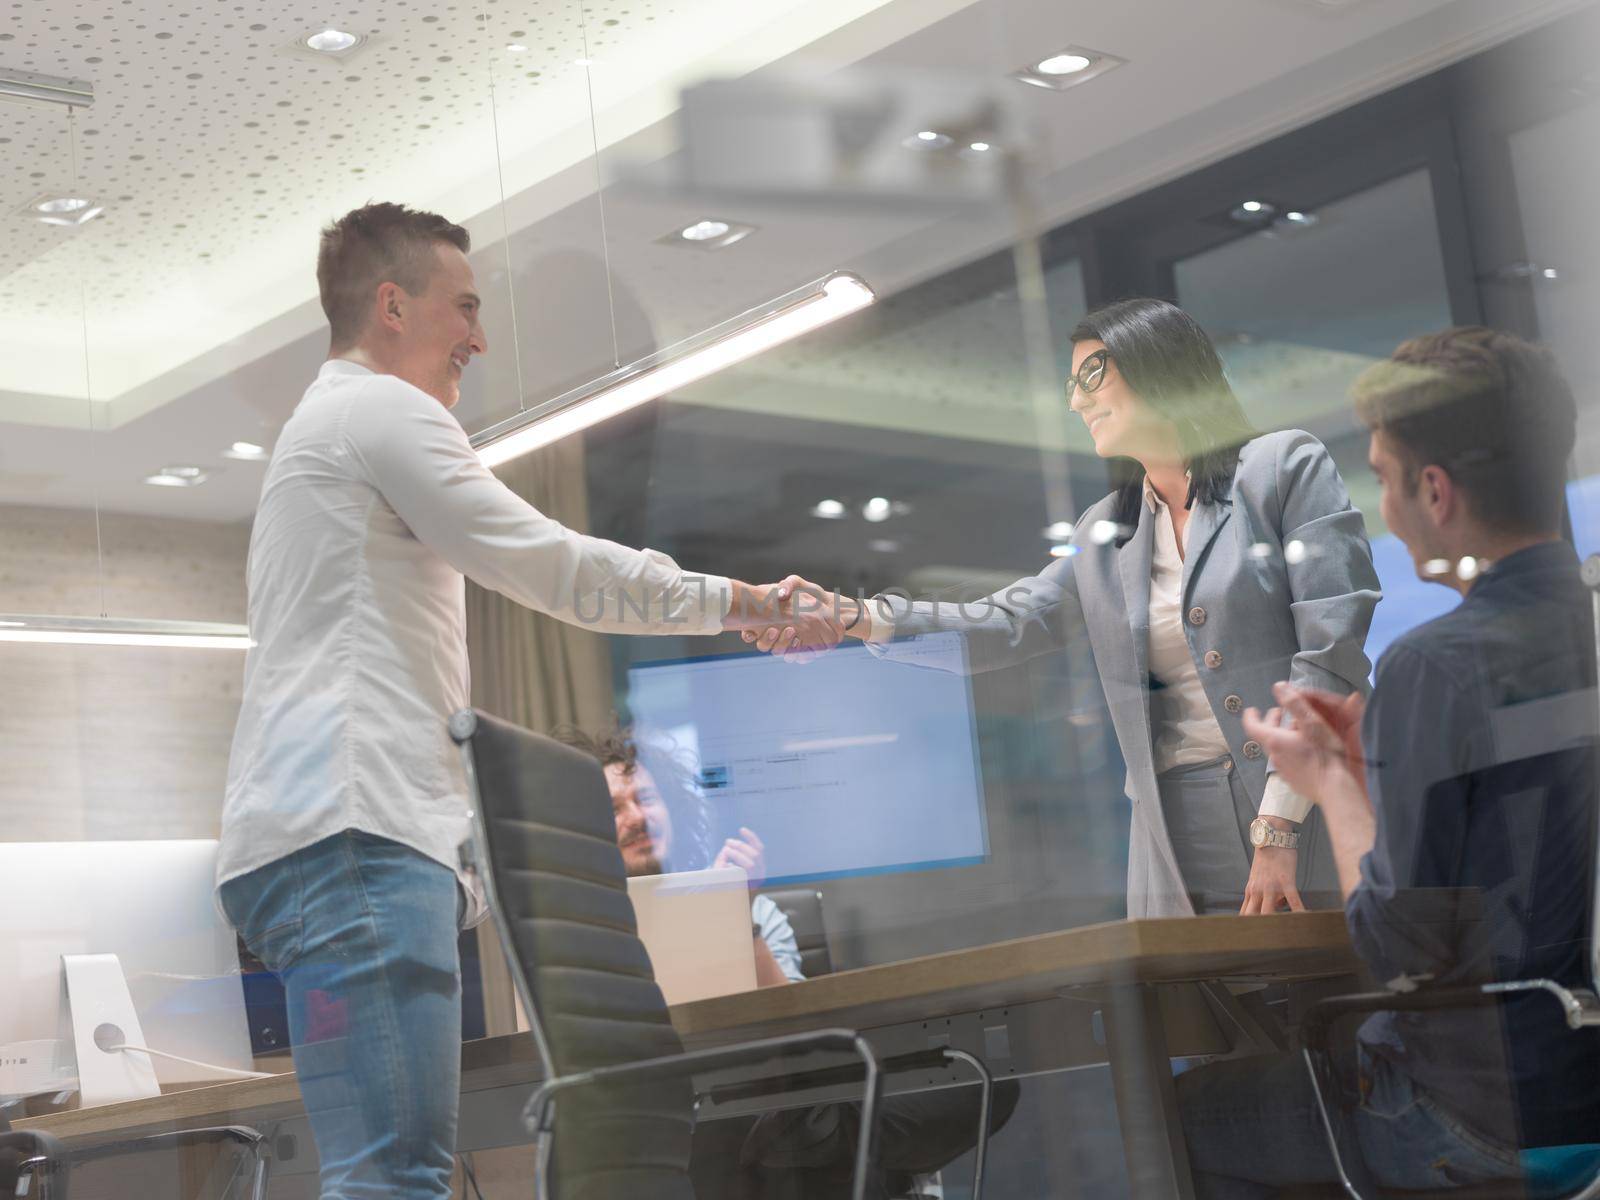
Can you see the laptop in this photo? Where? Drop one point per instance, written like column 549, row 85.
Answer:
column 696, row 927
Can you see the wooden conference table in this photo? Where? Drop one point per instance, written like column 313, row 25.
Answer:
column 1131, row 994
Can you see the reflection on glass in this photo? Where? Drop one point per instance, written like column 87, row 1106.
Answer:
column 1299, row 310
column 888, row 783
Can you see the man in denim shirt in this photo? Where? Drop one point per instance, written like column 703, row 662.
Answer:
column 1465, row 847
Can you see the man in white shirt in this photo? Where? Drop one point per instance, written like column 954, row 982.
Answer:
column 345, row 803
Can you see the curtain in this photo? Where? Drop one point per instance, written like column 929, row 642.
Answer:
column 534, row 670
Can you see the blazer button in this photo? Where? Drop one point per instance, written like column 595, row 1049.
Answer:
column 1197, row 615
column 1233, row 704
column 1213, row 659
column 1252, row 749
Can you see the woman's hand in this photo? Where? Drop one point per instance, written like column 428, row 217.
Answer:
column 798, row 620
column 747, row 853
column 1271, row 884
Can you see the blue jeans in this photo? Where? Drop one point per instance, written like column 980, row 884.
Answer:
column 1253, row 1127
column 362, row 932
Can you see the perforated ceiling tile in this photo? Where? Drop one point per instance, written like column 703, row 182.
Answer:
column 218, row 151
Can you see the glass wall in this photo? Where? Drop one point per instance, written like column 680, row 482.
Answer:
column 1023, row 760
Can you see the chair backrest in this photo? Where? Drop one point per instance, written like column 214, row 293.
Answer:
column 546, row 850
column 1591, row 578
column 803, row 907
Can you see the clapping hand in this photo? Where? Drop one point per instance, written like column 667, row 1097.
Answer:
column 1319, row 756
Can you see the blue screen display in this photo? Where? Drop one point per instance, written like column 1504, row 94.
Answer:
column 847, row 764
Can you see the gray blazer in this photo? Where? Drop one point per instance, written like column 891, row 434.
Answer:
column 1278, row 583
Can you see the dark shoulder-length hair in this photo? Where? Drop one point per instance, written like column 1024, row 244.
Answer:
column 1171, row 364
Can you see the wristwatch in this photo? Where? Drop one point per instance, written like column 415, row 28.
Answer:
column 1263, row 834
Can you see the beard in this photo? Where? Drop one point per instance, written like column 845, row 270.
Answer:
column 641, row 859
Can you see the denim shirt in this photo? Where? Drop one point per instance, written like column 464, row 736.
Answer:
column 1480, row 740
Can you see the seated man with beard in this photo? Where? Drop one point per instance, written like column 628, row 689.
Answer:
column 795, row 1154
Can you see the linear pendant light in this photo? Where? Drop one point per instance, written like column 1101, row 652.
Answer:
column 788, row 317
column 114, row 631
column 33, row 88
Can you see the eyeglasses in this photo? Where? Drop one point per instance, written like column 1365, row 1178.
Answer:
column 1091, row 373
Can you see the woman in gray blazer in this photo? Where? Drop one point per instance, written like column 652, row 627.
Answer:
column 1223, row 562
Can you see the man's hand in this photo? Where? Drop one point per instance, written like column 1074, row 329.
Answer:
column 747, row 853
column 794, row 619
column 1272, row 877
column 1319, row 756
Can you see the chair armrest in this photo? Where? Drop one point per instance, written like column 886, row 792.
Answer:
column 675, row 1066
column 242, row 1135
column 38, row 1154
column 1319, row 1018
column 916, row 1060
column 1581, row 1007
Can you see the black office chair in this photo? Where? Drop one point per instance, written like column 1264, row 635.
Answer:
column 544, row 845
column 1572, row 1172
column 803, row 908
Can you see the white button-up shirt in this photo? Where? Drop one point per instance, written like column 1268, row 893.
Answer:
column 1182, row 721
column 374, row 508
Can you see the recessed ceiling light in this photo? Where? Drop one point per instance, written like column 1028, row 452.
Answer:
column 1550, row 273
column 979, row 147
column 829, row 510
column 705, row 231
column 708, row 233
column 332, row 41
column 1067, row 67
column 1064, row 64
column 884, row 546
column 879, row 508
column 927, row 139
column 1253, row 212
column 83, row 218
column 1063, row 550
column 61, row 210
column 245, row 452
column 516, row 48
column 180, row 476
column 1059, row 531
column 1300, row 218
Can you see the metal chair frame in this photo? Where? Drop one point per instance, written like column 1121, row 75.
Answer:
column 539, row 1114
column 52, row 1163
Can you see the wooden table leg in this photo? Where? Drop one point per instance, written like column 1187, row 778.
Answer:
column 1147, row 1104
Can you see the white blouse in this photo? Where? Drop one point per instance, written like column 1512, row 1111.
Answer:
column 1182, row 722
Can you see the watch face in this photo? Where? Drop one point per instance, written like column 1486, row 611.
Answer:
column 1258, row 832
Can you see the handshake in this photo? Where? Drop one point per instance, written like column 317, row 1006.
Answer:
column 796, row 619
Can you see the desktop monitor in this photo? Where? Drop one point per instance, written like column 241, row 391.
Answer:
column 844, row 765
column 152, row 905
